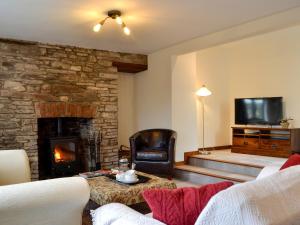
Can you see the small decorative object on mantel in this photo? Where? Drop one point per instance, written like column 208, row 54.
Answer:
column 285, row 122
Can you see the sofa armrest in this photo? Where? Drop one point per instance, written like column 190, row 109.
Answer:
column 49, row 202
column 14, row 167
column 119, row 214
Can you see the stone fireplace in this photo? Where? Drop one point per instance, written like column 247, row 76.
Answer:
column 46, row 82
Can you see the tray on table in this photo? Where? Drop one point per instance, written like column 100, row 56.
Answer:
column 142, row 179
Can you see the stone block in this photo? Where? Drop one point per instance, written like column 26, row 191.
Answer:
column 111, row 108
column 64, row 98
column 14, row 85
column 76, row 68
column 108, row 76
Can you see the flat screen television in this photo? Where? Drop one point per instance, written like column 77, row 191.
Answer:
column 258, row 111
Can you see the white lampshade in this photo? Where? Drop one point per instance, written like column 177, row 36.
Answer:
column 203, row 91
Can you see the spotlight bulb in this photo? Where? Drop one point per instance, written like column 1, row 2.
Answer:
column 119, row 20
column 126, row 30
column 97, row 27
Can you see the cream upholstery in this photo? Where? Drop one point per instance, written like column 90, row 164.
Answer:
column 14, row 167
column 48, row 202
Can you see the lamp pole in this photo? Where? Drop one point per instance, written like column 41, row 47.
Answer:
column 203, row 92
column 203, row 144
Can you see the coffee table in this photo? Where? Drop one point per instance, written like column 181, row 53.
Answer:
column 104, row 190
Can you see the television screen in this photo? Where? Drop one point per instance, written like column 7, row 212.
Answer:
column 259, row 111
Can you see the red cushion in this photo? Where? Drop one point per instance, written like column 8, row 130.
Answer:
column 181, row 206
column 293, row 160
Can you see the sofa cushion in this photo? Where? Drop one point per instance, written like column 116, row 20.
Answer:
column 293, row 160
column 271, row 200
column 181, row 206
column 152, row 155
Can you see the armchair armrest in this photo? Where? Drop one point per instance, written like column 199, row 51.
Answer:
column 171, row 149
column 135, row 142
column 49, row 202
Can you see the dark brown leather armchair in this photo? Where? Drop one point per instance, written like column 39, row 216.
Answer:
column 153, row 151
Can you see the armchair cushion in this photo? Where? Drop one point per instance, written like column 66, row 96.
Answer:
column 155, row 155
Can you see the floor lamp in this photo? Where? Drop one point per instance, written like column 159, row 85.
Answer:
column 203, row 92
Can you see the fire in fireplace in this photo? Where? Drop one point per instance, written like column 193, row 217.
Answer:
column 64, row 153
column 64, row 156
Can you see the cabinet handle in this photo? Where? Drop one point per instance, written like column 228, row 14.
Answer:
column 245, row 143
column 274, row 146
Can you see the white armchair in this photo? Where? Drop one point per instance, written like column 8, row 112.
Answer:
column 49, row 202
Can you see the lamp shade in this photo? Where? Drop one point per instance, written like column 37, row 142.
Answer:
column 203, row 91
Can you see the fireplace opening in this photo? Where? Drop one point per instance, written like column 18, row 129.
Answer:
column 64, row 147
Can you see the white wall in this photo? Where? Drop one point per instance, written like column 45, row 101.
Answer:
column 184, row 103
column 267, row 65
column 262, row 66
column 153, row 93
column 212, row 71
column 126, row 112
column 153, row 88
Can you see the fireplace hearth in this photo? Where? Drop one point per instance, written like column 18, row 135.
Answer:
column 64, row 147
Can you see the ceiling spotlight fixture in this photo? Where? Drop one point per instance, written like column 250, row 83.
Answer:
column 115, row 15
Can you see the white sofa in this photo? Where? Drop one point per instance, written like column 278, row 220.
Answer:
column 49, row 202
column 271, row 199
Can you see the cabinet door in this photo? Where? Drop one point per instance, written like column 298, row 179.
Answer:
column 246, row 142
column 273, row 144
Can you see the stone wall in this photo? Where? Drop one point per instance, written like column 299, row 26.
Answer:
column 43, row 80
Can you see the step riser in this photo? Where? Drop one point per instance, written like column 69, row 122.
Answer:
column 196, row 178
column 232, row 168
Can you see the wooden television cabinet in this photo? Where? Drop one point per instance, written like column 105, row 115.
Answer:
column 276, row 142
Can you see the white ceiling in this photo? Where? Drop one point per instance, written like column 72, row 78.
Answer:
column 154, row 24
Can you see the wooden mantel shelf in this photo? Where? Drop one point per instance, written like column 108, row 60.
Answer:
column 130, row 67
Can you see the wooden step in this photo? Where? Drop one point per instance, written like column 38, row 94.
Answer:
column 224, row 166
column 216, row 173
column 226, row 156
